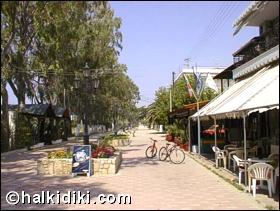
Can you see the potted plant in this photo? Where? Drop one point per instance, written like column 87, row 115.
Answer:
column 182, row 139
column 171, row 129
column 185, row 146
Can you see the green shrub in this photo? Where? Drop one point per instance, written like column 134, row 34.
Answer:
column 60, row 154
column 23, row 134
column 172, row 129
column 106, row 141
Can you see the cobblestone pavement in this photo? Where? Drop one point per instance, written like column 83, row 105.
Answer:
column 151, row 184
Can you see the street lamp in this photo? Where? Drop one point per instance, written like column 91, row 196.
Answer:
column 89, row 82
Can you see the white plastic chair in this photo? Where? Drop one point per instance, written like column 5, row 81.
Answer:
column 276, row 174
column 220, row 156
column 261, row 171
column 252, row 152
column 239, row 153
column 241, row 166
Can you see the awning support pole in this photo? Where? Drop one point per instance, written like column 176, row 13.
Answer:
column 189, row 133
column 245, row 147
column 215, row 141
column 198, row 127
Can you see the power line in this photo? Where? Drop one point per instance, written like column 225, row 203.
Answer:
column 213, row 30
column 225, row 13
column 210, row 26
column 218, row 26
column 40, row 72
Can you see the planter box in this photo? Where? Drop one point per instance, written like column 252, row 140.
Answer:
column 169, row 138
column 107, row 166
column 120, row 142
column 57, row 167
column 58, row 141
column 63, row 167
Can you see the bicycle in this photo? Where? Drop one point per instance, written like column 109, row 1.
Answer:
column 175, row 154
column 151, row 151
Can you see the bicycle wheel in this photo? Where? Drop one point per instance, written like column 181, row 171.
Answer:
column 177, row 156
column 163, row 154
column 151, row 152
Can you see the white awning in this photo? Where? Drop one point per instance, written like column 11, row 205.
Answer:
column 256, row 14
column 260, row 92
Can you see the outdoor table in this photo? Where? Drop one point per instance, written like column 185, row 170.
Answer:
column 235, row 148
column 257, row 160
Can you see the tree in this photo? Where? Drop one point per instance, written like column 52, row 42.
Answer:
column 157, row 112
column 8, row 30
column 52, row 48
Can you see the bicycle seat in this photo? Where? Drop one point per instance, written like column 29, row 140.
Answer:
column 153, row 140
column 167, row 144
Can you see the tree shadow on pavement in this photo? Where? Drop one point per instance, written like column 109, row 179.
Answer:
column 138, row 145
column 163, row 133
column 35, row 184
column 19, row 173
column 138, row 161
column 129, row 150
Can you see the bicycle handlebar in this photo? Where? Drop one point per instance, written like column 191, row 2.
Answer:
column 153, row 140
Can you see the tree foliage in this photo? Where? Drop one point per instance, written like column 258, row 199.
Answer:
column 157, row 112
column 44, row 45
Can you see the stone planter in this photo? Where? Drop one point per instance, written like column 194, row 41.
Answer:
column 57, row 167
column 58, row 141
column 63, row 167
column 105, row 166
column 120, row 142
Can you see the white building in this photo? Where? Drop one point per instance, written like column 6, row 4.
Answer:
column 213, row 71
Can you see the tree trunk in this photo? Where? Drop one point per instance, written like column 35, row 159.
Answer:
column 5, row 130
column 41, row 124
column 21, row 93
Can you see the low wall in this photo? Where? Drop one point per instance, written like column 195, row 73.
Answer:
column 58, row 167
column 104, row 166
column 119, row 142
column 63, row 167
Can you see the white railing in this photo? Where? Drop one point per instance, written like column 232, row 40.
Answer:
column 256, row 63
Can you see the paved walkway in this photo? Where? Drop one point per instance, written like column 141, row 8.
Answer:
column 152, row 184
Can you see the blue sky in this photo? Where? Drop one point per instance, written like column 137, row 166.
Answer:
column 158, row 36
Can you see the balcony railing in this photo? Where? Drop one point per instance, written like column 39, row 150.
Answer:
column 256, row 47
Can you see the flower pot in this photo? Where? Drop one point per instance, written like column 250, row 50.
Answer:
column 178, row 141
column 169, row 137
column 186, row 147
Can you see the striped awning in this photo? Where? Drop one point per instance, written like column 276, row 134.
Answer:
column 259, row 92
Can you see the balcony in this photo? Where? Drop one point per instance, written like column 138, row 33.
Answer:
column 256, row 47
column 250, row 50
column 256, row 63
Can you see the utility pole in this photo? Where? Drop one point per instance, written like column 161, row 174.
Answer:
column 173, row 78
column 170, row 99
column 171, row 89
column 187, row 62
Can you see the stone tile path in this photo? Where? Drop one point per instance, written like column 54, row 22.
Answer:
column 152, row 184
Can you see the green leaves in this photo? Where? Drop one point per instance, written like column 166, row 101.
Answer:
column 56, row 39
column 158, row 111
